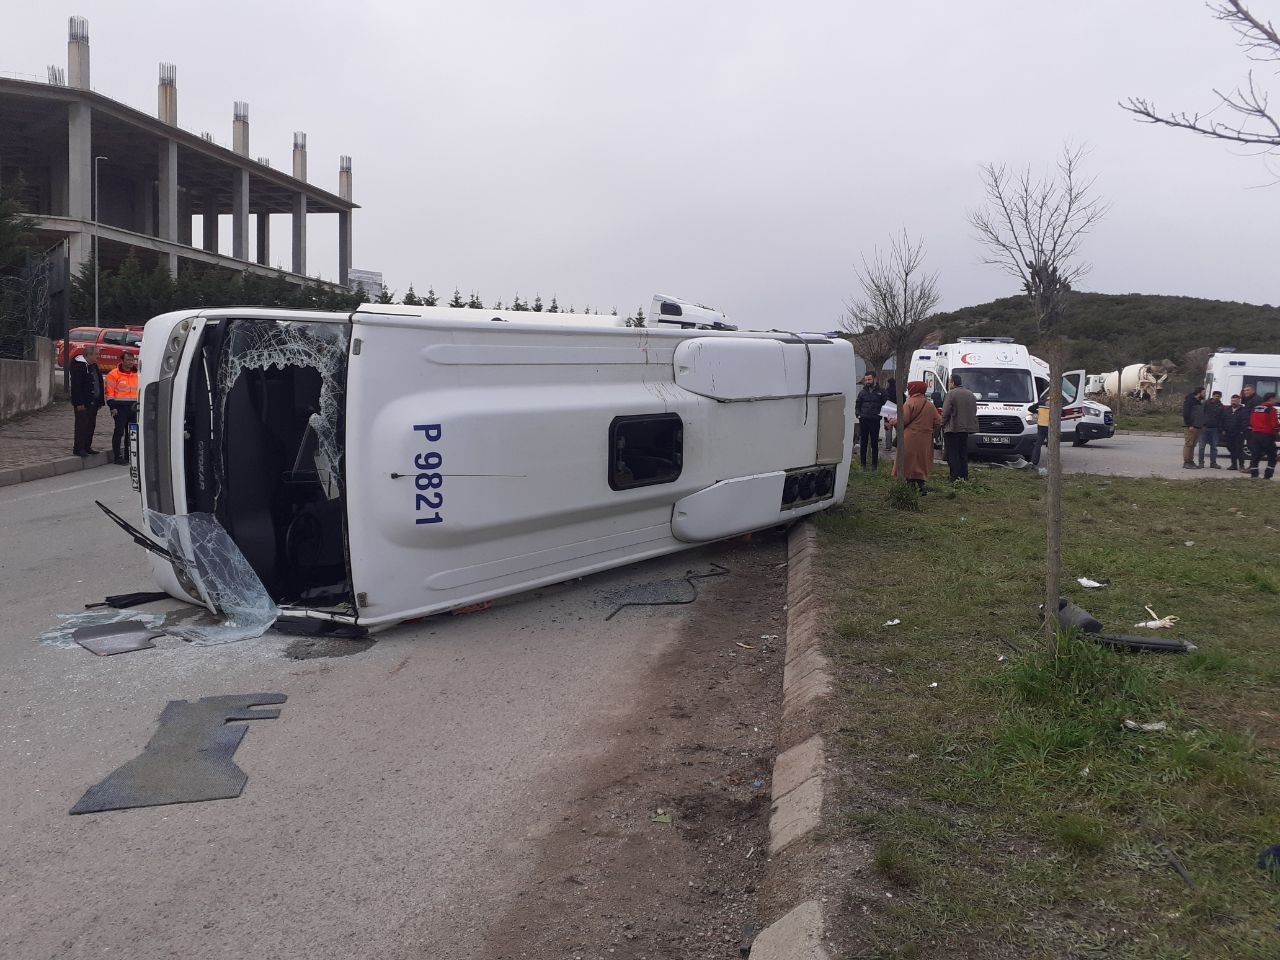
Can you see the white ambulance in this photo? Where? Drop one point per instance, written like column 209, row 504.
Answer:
column 376, row 466
column 1001, row 376
column 1231, row 372
column 1082, row 419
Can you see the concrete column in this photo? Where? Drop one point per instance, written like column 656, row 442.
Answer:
column 344, row 221
column 167, row 94
column 240, row 129
column 79, row 181
column 300, row 233
column 167, row 197
column 344, row 247
column 184, row 217
column 264, row 239
column 78, row 53
column 144, row 206
column 240, row 214
column 210, row 218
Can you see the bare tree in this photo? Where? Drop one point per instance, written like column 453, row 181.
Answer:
column 1032, row 228
column 1249, row 118
column 897, row 298
column 870, row 344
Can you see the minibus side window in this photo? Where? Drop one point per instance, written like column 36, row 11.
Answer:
column 645, row 450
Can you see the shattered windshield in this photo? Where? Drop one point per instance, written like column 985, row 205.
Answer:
column 279, row 395
column 264, row 345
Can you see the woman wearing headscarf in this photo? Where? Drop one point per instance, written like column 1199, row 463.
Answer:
column 918, row 420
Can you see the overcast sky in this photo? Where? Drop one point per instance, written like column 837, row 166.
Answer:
column 739, row 153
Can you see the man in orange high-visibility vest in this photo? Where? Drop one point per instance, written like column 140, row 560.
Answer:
column 122, row 398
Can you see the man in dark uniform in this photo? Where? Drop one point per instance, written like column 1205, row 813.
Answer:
column 87, row 397
column 866, row 407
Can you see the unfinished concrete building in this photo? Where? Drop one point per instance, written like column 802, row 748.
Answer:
column 153, row 179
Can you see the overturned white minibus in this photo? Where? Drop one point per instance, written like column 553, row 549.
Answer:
column 400, row 461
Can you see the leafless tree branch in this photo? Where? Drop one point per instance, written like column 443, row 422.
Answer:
column 1032, row 229
column 1255, row 124
column 898, row 295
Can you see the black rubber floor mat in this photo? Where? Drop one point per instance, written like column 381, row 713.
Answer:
column 187, row 759
column 108, row 639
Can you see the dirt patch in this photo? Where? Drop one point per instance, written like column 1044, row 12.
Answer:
column 314, row 648
column 663, row 851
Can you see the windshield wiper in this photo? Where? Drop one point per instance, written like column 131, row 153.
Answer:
column 141, row 539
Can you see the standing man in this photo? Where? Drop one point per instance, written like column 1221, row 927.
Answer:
column 1212, row 416
column 1042, row 429
column 1248, row 399
column 1264, row 424
column 86, row 399
column 122, row 398
column 959, row 421
column 1192, row 421
column 1235, row 424
column 866, row 407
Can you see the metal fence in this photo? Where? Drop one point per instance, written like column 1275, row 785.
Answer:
column 24, row 309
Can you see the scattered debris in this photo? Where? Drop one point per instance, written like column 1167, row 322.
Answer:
column 1154, row 727
column 744, row 646
column 1157, row 622
column 1157, row 644
column 769, row 636
column 1190, row 543
column 660, row 817
column 109, row 639
column 757, row 783
column 892, row 623
column 187, row 759
column 1092, row 584
column 1269, row 860
column 1178, row 866
column 933, row 685
column 64, row 635
column 690, row 578
column 1001, row 659
column 120, row 601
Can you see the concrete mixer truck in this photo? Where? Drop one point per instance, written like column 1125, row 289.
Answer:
column 1141, row 381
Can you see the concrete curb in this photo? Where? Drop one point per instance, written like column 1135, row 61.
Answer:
column 52, row 468
column 798, row 772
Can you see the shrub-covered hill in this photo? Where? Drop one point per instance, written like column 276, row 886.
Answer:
column 1106, row 331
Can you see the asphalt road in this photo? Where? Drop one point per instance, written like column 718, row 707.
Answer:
column 391, row 811
column 1137, row 455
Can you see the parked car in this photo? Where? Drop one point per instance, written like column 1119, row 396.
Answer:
column 111, row 342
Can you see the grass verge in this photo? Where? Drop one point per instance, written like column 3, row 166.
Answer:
column 1006, row 810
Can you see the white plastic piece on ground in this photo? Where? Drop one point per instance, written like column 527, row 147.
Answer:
column 892, row 623
column 1157, row 622
column 1091, row 584
column 1155, row 727
column 223, row 577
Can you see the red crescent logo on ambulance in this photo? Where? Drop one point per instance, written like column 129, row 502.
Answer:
column 964, row 358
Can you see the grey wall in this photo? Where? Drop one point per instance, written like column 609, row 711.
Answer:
column 27, row 385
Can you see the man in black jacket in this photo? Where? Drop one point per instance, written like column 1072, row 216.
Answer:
column 1192, row 420
column 1212, row 416
column 1235, row 424
column 1248, row 399
column 86, row 399
column 866, row 407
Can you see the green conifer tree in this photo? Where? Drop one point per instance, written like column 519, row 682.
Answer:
column 411, row 299
column 457, row 300
column 430, row 300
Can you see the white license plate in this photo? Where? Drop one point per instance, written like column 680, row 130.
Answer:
column 133, row 457
column 987, row 438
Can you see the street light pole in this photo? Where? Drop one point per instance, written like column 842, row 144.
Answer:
column 95, row 239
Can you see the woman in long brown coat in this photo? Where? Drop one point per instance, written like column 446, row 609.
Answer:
column 918, row 420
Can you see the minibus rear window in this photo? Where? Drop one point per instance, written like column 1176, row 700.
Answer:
column 645, row 450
